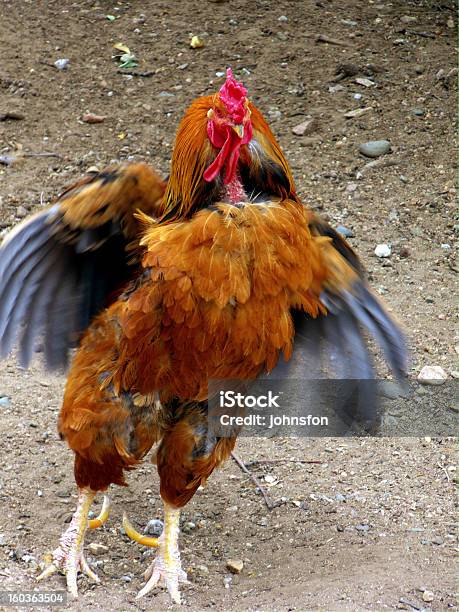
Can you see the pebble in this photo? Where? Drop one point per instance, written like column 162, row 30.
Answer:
column 389, row 389
column 202, row 569
column 408, row 19
column 305, row 127
column 61, row 64
column 432, row 375
column 227, row 580
column 383, row 250
column 154, row 528
column 362, row 527
column 3, row 539
column 428, row 596
column 419, row 68
column 188, row 526
column 344, row 231
column 21, row 212
column 335, row 88
column 92, row 118
column 5, row 401
column 374, row 148
column 235, row 566
column 358, row 112
column 418, row 112
column 365, row 82
column 126, row 578
column 283, row 18
column 274, row 115
column 97, row 549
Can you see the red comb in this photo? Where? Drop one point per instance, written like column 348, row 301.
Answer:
column 233, row 95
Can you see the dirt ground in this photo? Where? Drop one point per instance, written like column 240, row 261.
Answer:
column 371, row 524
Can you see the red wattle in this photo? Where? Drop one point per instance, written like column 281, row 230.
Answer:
column 216, row 166
column 223, row 137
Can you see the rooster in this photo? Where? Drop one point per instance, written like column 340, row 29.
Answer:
column 222, row 273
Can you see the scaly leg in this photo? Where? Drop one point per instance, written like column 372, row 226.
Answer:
column 167, row 563
column 68, row 557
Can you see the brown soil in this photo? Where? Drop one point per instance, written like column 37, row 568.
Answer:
column 391, row 532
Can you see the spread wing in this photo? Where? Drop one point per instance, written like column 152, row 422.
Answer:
column 335, row 346
column 61, row 266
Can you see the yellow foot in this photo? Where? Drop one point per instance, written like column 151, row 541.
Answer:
column 69, row 561
column 68, row 557
column 165, row 567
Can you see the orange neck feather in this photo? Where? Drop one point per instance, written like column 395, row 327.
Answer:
column 186, row 189
column 190, row 158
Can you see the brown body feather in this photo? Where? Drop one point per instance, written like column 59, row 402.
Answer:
column 215, row 303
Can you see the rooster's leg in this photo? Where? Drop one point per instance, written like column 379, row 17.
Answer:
column 167, row 562
column 68, row 557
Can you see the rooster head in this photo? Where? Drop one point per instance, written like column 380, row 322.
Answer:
column 228, row 127
column 224, row 150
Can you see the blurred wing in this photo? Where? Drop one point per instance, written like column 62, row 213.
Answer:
column 60, row 267
column 335, row 346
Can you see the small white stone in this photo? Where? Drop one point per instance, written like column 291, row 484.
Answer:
column 383, row 250
column 97, row 549
column 432, row 375
column 61, row 64
column 428, row 596
column 235, row 566
column 364, row 82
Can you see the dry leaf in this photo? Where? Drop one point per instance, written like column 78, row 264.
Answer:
column 196, row 43
column 121, row 47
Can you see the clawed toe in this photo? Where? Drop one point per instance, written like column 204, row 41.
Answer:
column 170, row 576
column 69, row 564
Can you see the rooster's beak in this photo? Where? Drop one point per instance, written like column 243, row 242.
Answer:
column 239, row 129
